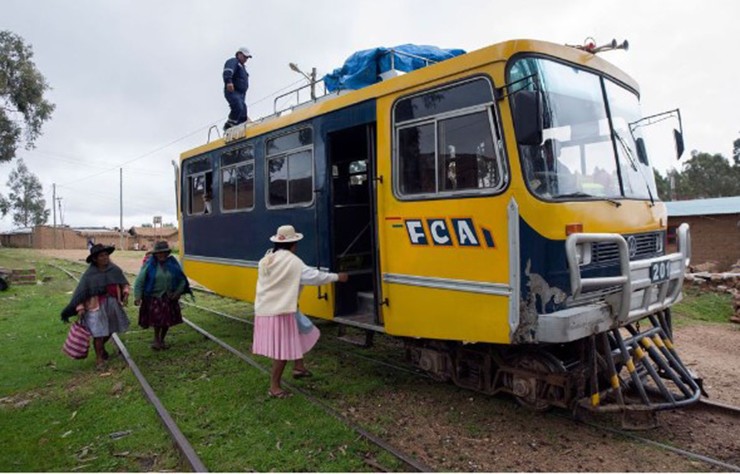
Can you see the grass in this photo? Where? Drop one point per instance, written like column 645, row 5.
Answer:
column 58, row 414
column 61, row 415
column 702, row 307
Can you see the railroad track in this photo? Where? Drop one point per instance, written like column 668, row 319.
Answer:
column 184, row 445
column 181, row 442
column 719, row 407
column 703, row 404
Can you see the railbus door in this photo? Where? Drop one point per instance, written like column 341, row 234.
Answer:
column 446, row 221
column 351, row 155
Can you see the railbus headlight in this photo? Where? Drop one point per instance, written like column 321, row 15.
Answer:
column 659, row 242
column 583, row 253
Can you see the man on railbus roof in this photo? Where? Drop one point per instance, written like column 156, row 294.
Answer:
column 236, row 83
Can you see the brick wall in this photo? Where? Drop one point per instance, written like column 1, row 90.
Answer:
column 46, row 237
column 713, row 238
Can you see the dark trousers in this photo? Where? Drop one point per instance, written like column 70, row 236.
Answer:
column 237, row 106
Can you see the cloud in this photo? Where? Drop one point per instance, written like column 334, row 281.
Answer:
column 138, row 82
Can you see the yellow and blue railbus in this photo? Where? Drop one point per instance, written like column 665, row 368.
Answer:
column 496, row 210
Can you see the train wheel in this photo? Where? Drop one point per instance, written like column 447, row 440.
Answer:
column 530, row 390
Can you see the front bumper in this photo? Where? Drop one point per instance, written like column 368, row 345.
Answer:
column 637, row 297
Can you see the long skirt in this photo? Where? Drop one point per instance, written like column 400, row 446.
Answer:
column 159, row 312
column 107, row 319
column 277, row 337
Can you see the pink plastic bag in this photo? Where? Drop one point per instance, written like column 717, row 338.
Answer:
column 78, row 342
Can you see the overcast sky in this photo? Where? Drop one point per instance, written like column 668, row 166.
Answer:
column 137, row 82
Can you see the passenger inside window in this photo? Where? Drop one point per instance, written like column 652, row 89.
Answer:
column 201, row 192
column 207, row 199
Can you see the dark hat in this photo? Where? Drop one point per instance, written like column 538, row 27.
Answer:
column 161, row 247
column 99, row 248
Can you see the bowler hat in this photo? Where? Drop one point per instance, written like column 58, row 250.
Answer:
column 286, row 234
column 99, row 248
column 161, row 247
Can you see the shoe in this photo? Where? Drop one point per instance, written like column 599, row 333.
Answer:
column 280, row 394
column 299, row 374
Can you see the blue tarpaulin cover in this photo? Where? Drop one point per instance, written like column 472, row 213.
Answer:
column 363, row 68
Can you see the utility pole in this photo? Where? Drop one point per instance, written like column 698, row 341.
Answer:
column 54, row 208
column 120, row 229
column 61, row 216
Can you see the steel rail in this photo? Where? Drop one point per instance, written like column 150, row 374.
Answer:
column 180, row 440
column 685, row 453
column 667, row 447
column 359, row 356
column 182, row 443
column 719, row 406
column 409, row 460
column 700, row 457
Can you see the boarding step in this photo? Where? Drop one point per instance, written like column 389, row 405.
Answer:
column 360, row 320
column 365, row 340
column 365, row 302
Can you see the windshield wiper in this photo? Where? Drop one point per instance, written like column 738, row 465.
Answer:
column 627, row 150
column 582, row 194
column 628, row 153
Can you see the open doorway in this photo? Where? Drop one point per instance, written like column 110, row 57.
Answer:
column 351, row 161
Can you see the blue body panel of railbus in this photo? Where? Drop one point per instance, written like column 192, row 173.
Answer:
column 243, row 237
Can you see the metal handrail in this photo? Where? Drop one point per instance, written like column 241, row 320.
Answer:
column 297, row 92
column 312, row 84
column 392, row 52
column 578, row 284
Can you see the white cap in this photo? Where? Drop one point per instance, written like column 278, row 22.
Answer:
column 245, row 51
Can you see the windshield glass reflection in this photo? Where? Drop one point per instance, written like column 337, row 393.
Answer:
column 580, row 157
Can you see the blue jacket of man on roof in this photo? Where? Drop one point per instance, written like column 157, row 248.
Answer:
column 236, row 73
column 236, row 83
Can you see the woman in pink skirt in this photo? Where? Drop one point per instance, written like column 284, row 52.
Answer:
column 281, row 332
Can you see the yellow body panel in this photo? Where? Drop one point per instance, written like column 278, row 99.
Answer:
column 241, row 282
column 445, row 314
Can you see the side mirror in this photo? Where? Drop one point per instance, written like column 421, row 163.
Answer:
column 641, row 151
column 678, row 138
column 528, row 117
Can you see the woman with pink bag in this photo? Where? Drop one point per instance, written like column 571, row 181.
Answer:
column 99, row 299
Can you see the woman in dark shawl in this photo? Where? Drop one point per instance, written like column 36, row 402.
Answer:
column 99, row 300
column 158, row 288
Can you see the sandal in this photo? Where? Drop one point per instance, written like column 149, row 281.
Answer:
column 301, row 373
column 280, row 394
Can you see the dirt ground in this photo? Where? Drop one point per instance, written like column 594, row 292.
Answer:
column 713, row 352
column 128, row 260
column 452, row 429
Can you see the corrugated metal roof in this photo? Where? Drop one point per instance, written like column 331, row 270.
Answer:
column 704, row 207
column 153, row 231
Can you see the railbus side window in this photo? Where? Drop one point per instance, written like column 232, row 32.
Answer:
column 445, row 142
column 199, row 185
column 237, row 179
column 290, row 169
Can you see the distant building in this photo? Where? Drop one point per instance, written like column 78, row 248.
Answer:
column 715, row 229
column 47, row 237
column 145, row 237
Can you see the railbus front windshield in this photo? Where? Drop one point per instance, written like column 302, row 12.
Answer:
column 587, row 149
